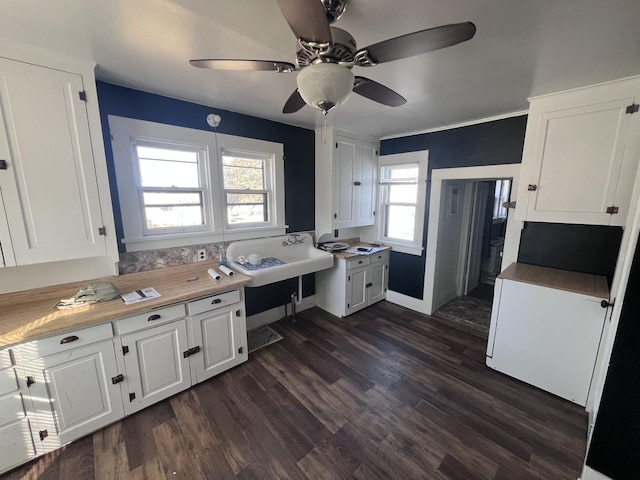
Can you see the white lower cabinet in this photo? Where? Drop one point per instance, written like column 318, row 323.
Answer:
column 74, row 392
column 156, row 366
column 220, row 334
column 16, row 442
column 353, row 283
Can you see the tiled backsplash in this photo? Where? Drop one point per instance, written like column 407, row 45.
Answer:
column 131, row 262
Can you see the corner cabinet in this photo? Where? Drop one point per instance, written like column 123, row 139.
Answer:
column 53, row 181
column 346, row 173
column 580, row 155
column 353, row 283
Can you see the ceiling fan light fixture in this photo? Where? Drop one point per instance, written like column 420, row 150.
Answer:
column 325, row 85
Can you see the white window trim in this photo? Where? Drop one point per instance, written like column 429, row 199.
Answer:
column 421, row 158
column 125, row 130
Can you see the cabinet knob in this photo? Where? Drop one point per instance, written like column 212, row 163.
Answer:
column 357, row 184
column 3, row 165
column 606, row 304
column 532, row 188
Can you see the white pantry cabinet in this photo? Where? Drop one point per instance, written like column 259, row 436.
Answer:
column 580, row 155
column 346, row 174
column 72, row 381
column 546, row 326
column 353, row 283
column 53, row 184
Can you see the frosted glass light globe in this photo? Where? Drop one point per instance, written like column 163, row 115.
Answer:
column 325, row 85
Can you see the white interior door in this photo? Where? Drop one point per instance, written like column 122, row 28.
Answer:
column 450, row 225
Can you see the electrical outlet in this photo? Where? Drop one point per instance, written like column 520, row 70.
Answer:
column 202, row 255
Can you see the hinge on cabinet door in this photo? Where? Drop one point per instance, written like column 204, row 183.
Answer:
column 633, row 108
column 102, row 231
column 238, row 313
column 191, row 351
column 336, row 144
column 368, row 285
column 240, row 350
column 612, row 210
column 30, row 380
column 532, row 188
column 349, row 278
column 125, row 349
column 348, row 305
column 335, row 215
column 83, row 95
column 43, row 434
column 132, row 397
column 117, row 379
column 3, row 165
column 374, row 213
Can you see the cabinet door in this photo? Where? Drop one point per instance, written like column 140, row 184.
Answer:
column 377, row 282
column 73, row 393
column 548, row 338
column 49, row 187
column 222, row 338
column 156, row 367
column 365, row 188
column 343, row 179
column 573, row 159
column 356, row 290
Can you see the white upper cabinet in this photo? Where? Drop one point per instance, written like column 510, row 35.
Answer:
column 49, row 182
column 345, row 181
column 580, row 155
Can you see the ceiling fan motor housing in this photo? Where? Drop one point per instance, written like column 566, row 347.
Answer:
column 341, row 50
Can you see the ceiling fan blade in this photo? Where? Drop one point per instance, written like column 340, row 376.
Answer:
column 307, row 19
column 294, row 103
column 377, row 92
column 417, row 43
column 235, row 64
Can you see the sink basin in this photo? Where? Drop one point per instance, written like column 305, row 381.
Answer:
column 282, row 261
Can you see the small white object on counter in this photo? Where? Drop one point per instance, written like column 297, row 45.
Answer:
column 226, row 270
column 139, row 295
column 214, row 274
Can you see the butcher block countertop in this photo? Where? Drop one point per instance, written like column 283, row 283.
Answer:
column 582, row 283
column 28, row 315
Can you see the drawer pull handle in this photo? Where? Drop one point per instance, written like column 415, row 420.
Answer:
column 216, row 300
column 154, row 317
column 117, row 379
column 359, row 261
column 69, row 339
column 369, row 285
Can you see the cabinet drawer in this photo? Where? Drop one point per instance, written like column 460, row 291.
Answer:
column 358, row 262
column 5, row 359
column 64, row 341
column 11, row 408
column 213, row 302
column 381, row 256
column 149, row 319
column 8, row 382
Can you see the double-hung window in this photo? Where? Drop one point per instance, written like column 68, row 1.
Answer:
column 172, row 187
column 402, row 197
column 247, row 192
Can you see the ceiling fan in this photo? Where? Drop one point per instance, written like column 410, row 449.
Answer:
column 325, row 56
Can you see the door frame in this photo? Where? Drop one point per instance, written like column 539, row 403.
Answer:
column 513, row 229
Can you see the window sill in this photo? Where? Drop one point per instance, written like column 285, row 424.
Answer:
column 254, row 232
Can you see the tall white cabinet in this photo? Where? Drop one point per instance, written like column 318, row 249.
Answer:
column 345, row 177
column 53, row 180
column 580, row 155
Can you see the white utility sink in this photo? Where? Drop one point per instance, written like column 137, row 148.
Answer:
column 284, row 257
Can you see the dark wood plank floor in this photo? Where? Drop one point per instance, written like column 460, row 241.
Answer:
column 385, row 393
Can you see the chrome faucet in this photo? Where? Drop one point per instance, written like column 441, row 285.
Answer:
column 293, row 239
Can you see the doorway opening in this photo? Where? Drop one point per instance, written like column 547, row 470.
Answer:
column 470, row 242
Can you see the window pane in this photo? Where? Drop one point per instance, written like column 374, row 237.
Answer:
column 239, row 214
column 164, row 167
column 168, row 199
column 242, row 198
column 243, row 173
column 405, row 172
column 176, row 216
column 400, row 222
column 403, row 193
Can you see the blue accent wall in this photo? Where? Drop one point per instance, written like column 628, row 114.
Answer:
column 491, row 143
column 299, row 165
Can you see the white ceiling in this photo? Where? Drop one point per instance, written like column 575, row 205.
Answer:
column 522, row 48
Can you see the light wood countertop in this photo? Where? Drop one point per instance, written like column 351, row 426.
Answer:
column 582, row 283
column 29, row 315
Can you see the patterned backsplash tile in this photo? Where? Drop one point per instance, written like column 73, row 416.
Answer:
column 132, row 262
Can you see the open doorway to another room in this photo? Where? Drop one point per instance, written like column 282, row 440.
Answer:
column 471, row 233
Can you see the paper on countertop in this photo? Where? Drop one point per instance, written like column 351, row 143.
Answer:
column 214, row 274
column 139, row 295
column 368, row 251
